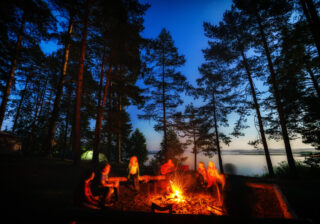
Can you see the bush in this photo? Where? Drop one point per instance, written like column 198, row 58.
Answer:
column 303, row 170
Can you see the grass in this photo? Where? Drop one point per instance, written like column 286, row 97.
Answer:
column 303, row 171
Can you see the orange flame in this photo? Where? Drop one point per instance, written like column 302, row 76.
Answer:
column 176, row 192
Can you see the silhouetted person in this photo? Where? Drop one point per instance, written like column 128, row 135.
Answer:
column 83, row 193
column 104, row 187
column 201, row 175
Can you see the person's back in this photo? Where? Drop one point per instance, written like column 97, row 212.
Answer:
column 167, row 168
column 83, row 193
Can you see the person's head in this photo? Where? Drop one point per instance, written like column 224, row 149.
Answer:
column 211, row 164
column 170, row 162
column 133, row 160
column 106, row 169
column 201, row 165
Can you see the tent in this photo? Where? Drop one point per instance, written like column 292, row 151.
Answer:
column 87, row 155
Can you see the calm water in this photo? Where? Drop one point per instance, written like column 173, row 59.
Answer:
column 247, row 165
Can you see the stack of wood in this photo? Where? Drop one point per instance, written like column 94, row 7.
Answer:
column 192, row 203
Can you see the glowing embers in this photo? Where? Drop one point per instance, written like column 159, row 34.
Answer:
column 176, row 192
column 180, row 198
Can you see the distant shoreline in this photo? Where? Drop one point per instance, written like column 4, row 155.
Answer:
column 302, row 151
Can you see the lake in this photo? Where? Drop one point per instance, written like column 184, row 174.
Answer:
column 246, row 164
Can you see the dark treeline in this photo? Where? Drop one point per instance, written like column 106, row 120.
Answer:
column 54, row 100
column 75, row 99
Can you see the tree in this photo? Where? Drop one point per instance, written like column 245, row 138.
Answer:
column 122, row 37
column 312, row 17
column 174, row 150
column 137, row 146
column 214, row 87
column 67, row 7
column 230, row 42
column 32, row 15
column 261, row 14
column 193, row 125
column 77, row 111
column 164, row 81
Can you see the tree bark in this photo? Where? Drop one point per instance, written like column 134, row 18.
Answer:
column 217, row 135
column 195, row 150
column 314, row 80
column 77, row 117
column 20, row 104
column 95, row 157
column 6, row 94
column 165, row 143
column 47, row 146
column 119, row 131
column 257, row 107
column 313, row 21
column 282, row 119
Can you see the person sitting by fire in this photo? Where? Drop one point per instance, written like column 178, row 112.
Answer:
column 134, row 173
column 83, row 194
column 214, row 178
column 167, row 168
column 201, row 175
column 105, row 188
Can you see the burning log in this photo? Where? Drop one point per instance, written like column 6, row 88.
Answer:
column 145, row 178
column 158, row 209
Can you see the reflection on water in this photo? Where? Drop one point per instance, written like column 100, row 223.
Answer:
column 247, row 165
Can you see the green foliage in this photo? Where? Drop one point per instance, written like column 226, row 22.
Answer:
column 175, row 150
column 164, row 80
column 137, row 146
column 303, row 170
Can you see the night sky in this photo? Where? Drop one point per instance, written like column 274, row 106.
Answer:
column 184, row 20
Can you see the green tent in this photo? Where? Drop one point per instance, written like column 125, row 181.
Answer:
column 87, row 155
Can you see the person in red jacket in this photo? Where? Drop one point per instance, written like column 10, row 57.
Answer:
column 167, row 168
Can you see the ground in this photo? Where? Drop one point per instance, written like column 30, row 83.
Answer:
column 32, row 187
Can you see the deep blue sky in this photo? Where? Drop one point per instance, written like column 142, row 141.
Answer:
column 184, row 20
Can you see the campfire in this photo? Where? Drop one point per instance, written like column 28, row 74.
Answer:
column 179, row 200
column 181, row 195
column 177, row 192
column 174, row 195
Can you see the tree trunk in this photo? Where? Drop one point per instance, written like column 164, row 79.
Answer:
column 314, row 80
column 119, row 131
column 195, row 150
column 282, row 119
column 47, row 146
column 217, row 135
column 313, row 21
column 165, row 143
column 95, row 157
column 77, row 117
column 39, row 101
column 65, row 135
column 20, row 104
column 256, row 105
column 6, row 93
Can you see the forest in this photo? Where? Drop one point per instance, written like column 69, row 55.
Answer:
column 76, row 98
